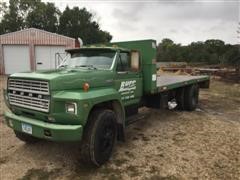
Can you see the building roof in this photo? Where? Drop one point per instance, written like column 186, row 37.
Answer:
column 35, row 36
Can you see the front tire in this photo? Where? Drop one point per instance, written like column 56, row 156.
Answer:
column 99, row 137
column 26, row 138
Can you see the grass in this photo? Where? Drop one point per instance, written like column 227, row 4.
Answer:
column 225, row 89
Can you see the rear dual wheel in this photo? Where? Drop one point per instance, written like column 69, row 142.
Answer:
column 191, row 97
column 180, row 99
column 187, row 98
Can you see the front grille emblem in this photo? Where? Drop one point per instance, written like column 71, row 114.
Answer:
column 29, row 94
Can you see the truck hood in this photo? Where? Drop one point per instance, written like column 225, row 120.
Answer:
column 69, row 79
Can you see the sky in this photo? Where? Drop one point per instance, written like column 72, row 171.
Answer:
column 182, row 21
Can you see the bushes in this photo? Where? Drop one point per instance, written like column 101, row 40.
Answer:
column 212, row 51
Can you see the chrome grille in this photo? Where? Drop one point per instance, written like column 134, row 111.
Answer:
column 38, row 87
column 29, row 94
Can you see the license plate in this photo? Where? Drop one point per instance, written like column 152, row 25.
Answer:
column 27, row 128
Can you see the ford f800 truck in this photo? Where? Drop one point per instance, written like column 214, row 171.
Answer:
column 90, row 96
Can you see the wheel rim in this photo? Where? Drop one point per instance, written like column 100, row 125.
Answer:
column 107, row 138
column 104, row 138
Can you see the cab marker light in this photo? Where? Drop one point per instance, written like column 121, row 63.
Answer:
column 85, row 87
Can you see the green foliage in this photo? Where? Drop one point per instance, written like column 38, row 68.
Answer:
column 2, row 12
column 11, row 21
column 212, row 51
column 232, row 55
column 73, row 22
column 79, row 23
column 3, row 7
column 42, row 16
column 171, row 50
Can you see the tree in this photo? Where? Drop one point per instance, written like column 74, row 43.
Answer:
column 3, row 8
column 197, row 52
column 73, row 22
column 212, row 51
column 216, row 48
column 11, row 21
column 169, row 51
column 22, row 14
column 39, row 15
column 163, row 50
column 77, row 23
column 232, row 56
column 42, row 16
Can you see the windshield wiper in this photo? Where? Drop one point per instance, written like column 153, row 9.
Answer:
column 88, row 66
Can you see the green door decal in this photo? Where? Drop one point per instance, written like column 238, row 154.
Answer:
column 128, row 83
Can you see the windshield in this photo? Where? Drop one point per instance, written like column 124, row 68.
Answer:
column 91, row 59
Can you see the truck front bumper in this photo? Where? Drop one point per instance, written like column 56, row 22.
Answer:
column 44, row 130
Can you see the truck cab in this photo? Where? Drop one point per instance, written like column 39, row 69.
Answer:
column 123, row 64
column 90, row 96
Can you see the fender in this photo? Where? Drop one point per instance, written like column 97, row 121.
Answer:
column 87, row 100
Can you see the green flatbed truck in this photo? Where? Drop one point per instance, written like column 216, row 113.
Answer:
column 90, row 96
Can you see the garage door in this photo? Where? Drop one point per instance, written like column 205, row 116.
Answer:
column 45, row 56
column 16, row 58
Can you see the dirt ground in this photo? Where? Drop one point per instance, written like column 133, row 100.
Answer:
column 204, row 144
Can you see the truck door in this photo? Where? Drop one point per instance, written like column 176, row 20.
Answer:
column 129, row 77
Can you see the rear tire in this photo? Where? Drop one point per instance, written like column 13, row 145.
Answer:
column 180, row 99
column 99, row 137
column 26, row 138
column 191, row 94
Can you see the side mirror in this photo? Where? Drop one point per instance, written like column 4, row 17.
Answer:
column 135, row 61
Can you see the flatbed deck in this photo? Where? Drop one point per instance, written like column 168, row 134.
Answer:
column 167, row 82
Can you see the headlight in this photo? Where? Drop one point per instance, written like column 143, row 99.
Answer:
column 71, row 108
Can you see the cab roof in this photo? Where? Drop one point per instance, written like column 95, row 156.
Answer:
column 94, row 47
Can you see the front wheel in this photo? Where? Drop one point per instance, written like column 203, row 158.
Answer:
column 99, row 137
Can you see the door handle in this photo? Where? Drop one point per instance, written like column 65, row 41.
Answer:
column 122, row 72
column 39, row 63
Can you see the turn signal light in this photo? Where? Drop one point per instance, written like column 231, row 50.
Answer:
column 85, row 87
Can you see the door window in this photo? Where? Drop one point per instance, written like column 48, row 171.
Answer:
column 123, row 63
